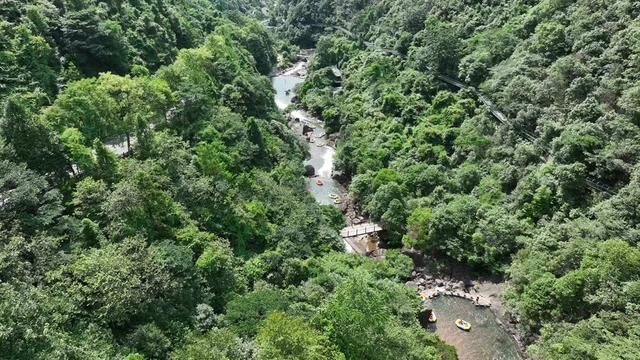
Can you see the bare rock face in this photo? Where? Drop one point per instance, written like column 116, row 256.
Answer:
column 309, row 170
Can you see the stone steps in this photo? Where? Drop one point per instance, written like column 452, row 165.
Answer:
column 477, row 300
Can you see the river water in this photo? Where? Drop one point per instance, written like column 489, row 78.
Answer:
column 321, row 155
column 487, row 340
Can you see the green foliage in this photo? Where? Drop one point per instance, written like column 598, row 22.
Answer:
column 28, row 59
column 305, row 20
column 604, row 336
column 73, row 141
column 149, row 340
column 217, row 265
column 34, row 327
column 284, row 337
column 213, row 159
column 20, row 128
column 333, row 50
column 97, row 43
column 28, row 202
column 539, row 189
column 382, row 199
column 244, row 313
column 141, row 213
column 256, row 39
column 436, row 47
column 395, row 266
column 110, row 106
column 358, row 318
column 88, row 198
column 214, row 345
column 204, row 240
column 106, row 163
column 630, row 102
column 140, row 205
column 124, row 281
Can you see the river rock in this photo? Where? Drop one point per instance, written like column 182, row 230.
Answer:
column 306, row 129
column 411, row 284
column 309, row 170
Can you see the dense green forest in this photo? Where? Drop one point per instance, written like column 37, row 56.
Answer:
column 152, row 199
column 546, row 197
column 198, row 240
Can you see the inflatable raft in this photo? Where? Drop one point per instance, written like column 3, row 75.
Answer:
column 432, row 317
column 463, row 325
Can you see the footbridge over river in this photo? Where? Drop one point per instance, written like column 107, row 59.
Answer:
column 363, row 238
column 360, row 229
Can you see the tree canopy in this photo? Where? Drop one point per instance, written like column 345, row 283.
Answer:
column 497, row 134
column 152, row 198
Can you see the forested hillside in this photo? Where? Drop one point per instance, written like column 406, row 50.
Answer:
column 545, row 196
column 44, row 42
column 152, row 204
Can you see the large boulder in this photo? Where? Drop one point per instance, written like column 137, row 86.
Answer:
column 309, row 170
column 306, row 129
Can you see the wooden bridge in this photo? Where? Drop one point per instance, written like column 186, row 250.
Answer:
column 360, row 229
column 358, row 239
